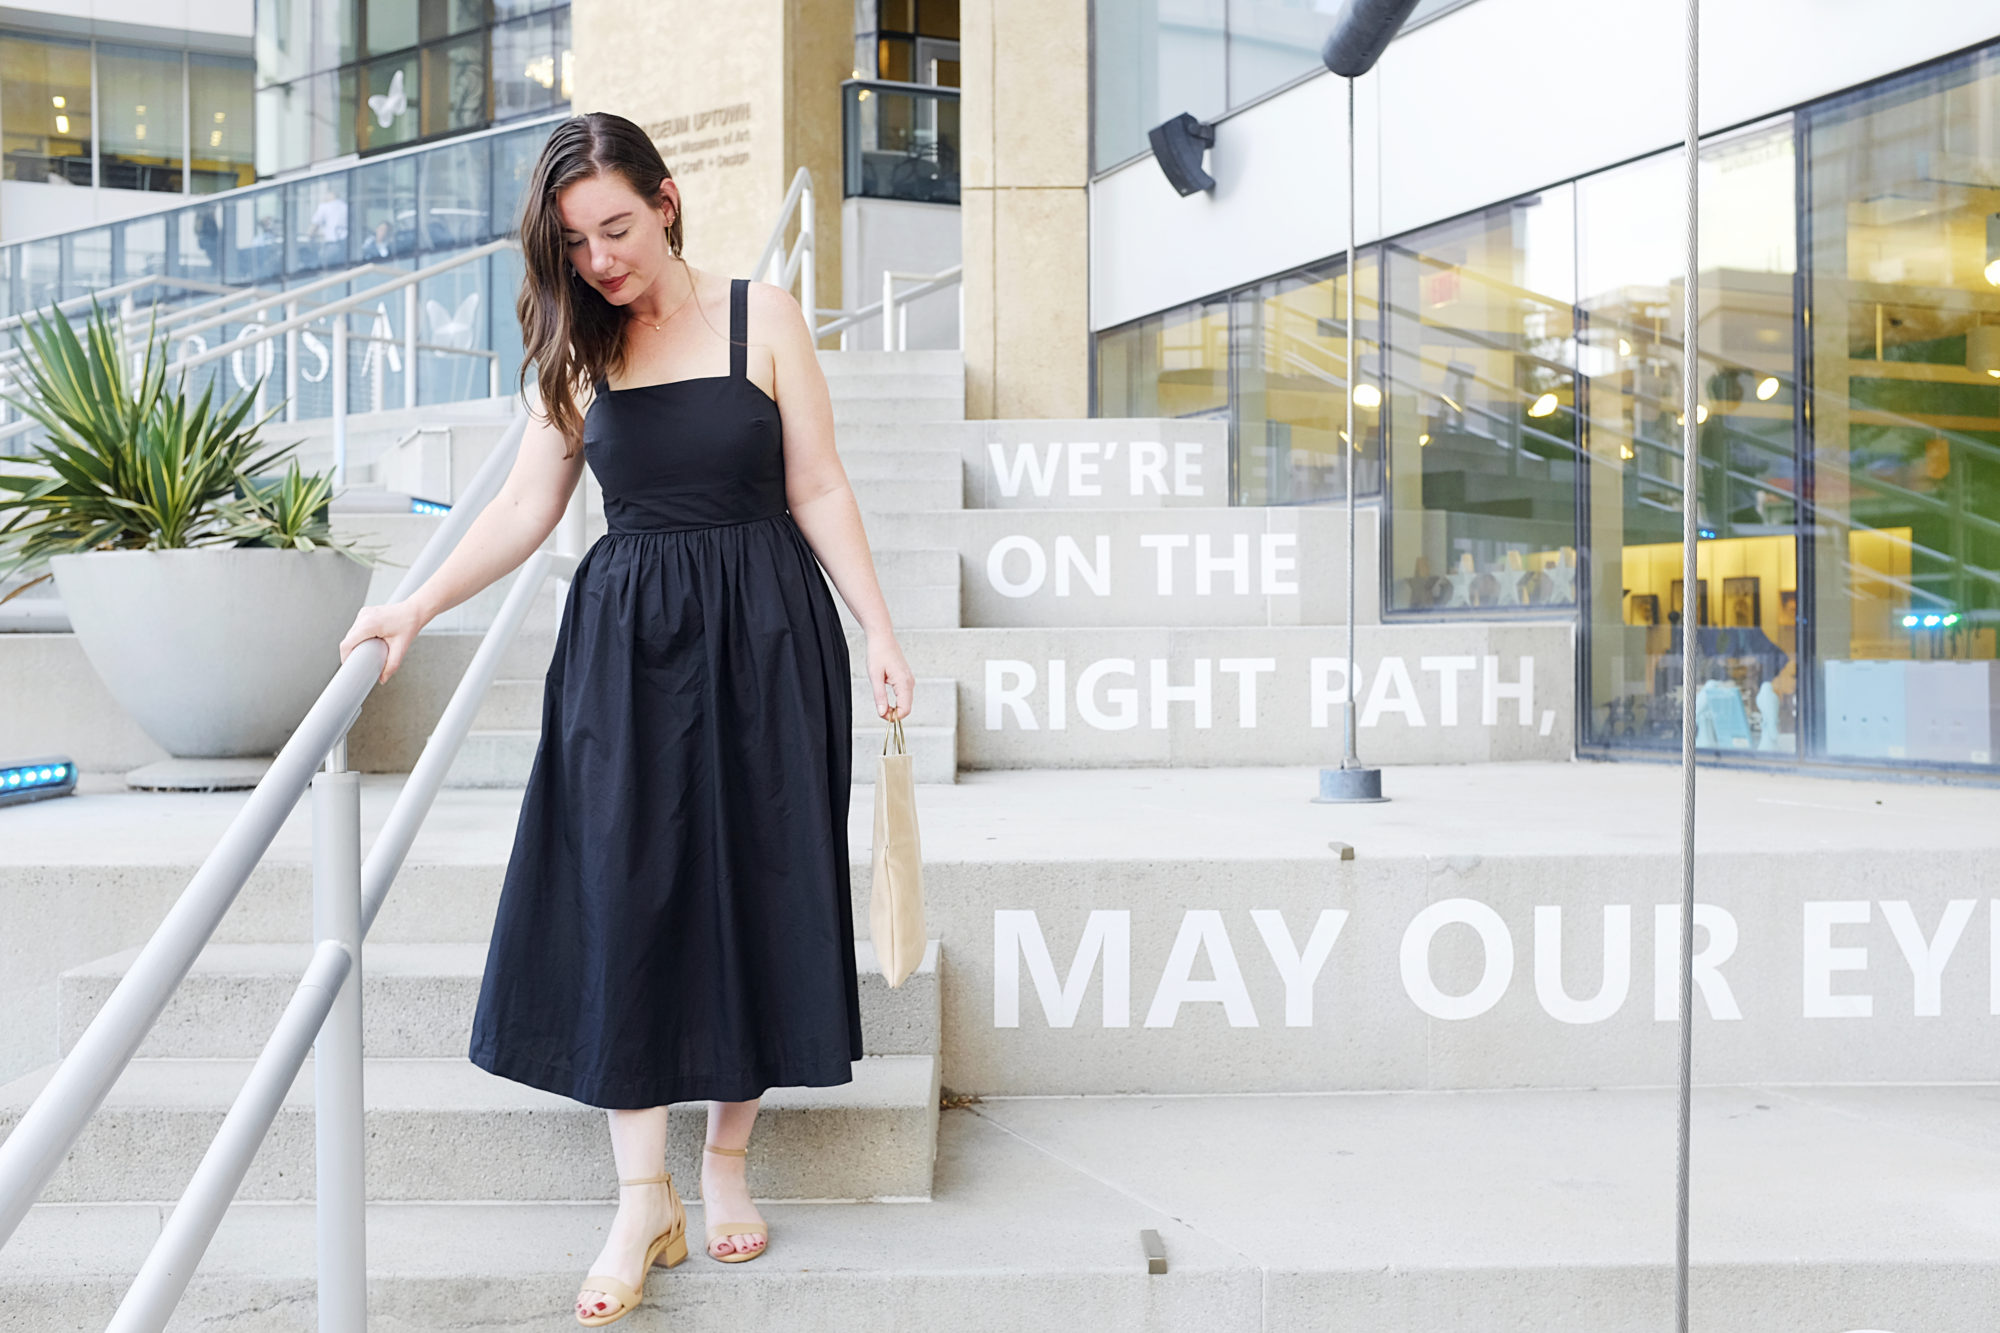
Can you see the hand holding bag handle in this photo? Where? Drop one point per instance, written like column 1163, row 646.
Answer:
column 896, row 895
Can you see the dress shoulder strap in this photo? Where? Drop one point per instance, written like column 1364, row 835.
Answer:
column 739, row 328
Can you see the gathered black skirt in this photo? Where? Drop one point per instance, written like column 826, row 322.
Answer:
column 675, row 922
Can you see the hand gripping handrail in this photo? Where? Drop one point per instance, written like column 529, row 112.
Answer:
column 32, row 1153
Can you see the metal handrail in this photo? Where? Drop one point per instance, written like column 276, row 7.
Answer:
column 895, row 323
column 30, row 1156
column 797, row 262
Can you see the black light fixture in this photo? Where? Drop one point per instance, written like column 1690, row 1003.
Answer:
column 1177, row 146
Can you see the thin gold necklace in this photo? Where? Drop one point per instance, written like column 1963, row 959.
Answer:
column 676, row 310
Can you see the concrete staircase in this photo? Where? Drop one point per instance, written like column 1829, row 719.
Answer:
column 442, row 1130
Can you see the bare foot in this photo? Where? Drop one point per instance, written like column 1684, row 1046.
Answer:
column 725, row 1198
column 644, row 1211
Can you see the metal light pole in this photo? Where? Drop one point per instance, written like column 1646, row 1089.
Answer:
column 1361, row 32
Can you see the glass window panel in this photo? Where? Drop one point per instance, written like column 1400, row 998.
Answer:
column 219, row 105
column 45, row 109
column 454, row 310
column 524, row 67
column 455, row 73
column 86, row 261
column 383, row 209
column 392, row 113
column 1170, row 365
column 389, row 25
column 40, row 278
column 452, row 193
column 139, row 118
column 143, row 250
column 896, row 58
column 1904, row 262
column 937, row 18
column 1630, row 265
column 514, row 157
column 896, row 15
column 1272, row 42
column 284, row 127
column 1482, row 405
column 565, row 56
column 256, row 237
column 1291, row 387
column 317, row 231
column 198, row 243
column 283, row 40
column 336, row 24
column 1152, row 60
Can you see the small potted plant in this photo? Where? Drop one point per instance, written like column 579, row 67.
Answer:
column 208, row 594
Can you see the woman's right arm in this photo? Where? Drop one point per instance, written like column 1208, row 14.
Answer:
column 520, row 518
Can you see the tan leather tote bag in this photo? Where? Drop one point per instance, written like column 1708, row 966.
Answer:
column 896, row 896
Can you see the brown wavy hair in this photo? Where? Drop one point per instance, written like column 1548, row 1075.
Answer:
column 569, row 332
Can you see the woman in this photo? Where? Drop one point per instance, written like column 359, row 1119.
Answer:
column 674, row 924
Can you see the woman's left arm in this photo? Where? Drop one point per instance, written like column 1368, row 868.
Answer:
column 817, row 490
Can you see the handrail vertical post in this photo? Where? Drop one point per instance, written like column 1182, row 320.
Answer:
column 410, row 345
column 291, row 363
column 888, row 311
column 808, row 284
column 340, row 398
column 337, row 1090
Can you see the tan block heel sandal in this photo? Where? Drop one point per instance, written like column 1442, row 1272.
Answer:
column 717, row 1230
column 668, row 1248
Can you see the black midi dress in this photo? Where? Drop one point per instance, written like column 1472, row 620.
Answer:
column 675, row 920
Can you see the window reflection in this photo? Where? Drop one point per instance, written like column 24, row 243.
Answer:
column 1631, row 256
column 1905, row 231
column 1291, row 388
column 1482, row 402
column 45, row 128
column 1170, row 365
column 1152, row 60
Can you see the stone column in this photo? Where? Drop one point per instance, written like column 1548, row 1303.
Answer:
column 1026, row 165
column 737, row 98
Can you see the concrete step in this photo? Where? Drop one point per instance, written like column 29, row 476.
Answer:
column 417, row 1001
column 839, row 367
column 873, row 464
column 906, row 566
column 933, row 750
column 912, row 607
column 1412, row 1213
column 1012, row 1240
column 896, row 408
column 890, row 495
column 511, row 705
column 447, row 1130
column 937, row 703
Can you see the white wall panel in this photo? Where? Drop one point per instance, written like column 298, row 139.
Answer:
column 1497, row 98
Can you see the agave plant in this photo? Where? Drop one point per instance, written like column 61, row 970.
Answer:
column 129, row 465
column 288, row 512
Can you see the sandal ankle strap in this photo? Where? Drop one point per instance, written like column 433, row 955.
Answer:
column 726, row 1152
column 665, row 1179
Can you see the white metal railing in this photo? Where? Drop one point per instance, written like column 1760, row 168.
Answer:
column 781, row 266
column 232, row 304
column 324, row 1012
column 894, row 307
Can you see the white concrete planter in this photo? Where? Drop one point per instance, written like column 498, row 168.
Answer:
column 217, row 651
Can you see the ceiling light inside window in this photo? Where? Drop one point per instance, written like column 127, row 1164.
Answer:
column 1767, row 388
column 1368, row 396
column 1982, row 349
column 1544, row 406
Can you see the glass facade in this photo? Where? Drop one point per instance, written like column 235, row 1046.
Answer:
column 1523, row 379
column 45, row 109
column 404, row 211
column 356, row 76
column 1153, row 59
column 168, row 121
column 907, row 41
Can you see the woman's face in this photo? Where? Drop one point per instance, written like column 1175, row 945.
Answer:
column 614, row 238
